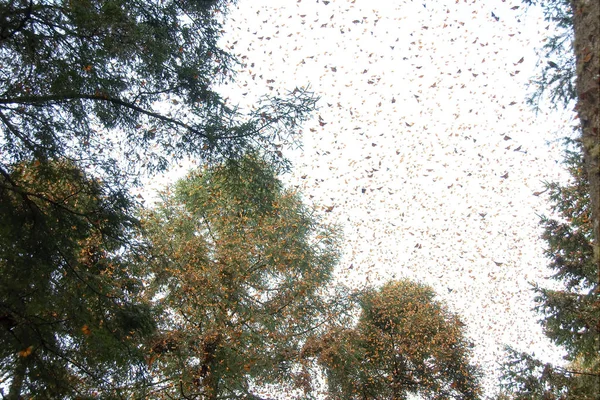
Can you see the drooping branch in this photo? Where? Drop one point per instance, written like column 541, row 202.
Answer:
column 101, row 97
column 59, row 98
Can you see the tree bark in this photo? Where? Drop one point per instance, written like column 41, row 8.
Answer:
column 586, row 26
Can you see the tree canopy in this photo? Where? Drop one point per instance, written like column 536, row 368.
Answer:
column 94, row 93
column 105, row 81
column 404, row 343
column 525, row 377
column 70, row 309
column 570, row 312
column 572, row 75
column 223, row 289
column 240, row 269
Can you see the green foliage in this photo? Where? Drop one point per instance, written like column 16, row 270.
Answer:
column 239, row 267
column 557, row 76
column 78, row 66
column 70, row 310
column 524, row 377
column 404, row 343
column 75, row 71
column 93, row 94
column 571, row 314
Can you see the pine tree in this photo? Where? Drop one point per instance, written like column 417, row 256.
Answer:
column 404, row 343
column 101, row 81
column 570, row 313
column 93, row 95
column 524, row 377
column 70, row 310
column 572, row 75
column 240, row 268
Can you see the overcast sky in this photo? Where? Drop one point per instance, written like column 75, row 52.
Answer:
column 422, row 144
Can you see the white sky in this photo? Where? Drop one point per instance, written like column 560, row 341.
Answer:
column 424, row 110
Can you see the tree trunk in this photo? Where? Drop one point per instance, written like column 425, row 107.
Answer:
column 586, row 26
column 18, row 377
column 210, row 345
column 211, row 385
